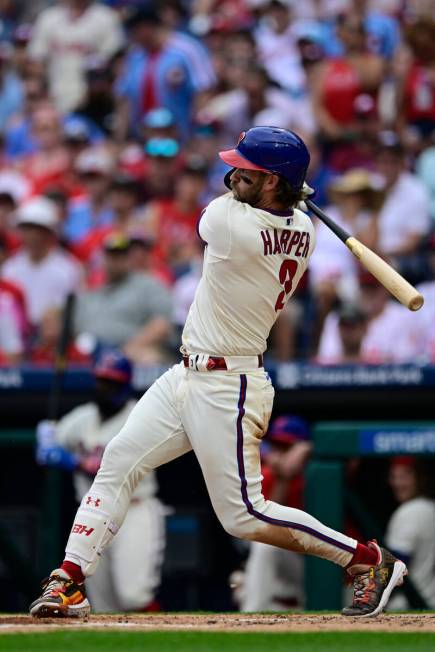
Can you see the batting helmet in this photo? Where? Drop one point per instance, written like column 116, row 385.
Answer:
column 271, row 149
column 288, row 429
column 112, row 365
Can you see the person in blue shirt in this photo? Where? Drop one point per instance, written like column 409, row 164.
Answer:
column 157, row 72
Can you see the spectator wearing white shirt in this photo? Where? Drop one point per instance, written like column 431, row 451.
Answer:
column 64, row 36
column 386, row 339
column 404, row 218
column 411, row 528
column 44, row 271
column 356, row 198
column 257, row 101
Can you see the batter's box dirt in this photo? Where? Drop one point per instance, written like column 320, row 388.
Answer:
column 225, row 622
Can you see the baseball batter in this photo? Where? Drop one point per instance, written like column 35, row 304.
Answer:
column 218, row 399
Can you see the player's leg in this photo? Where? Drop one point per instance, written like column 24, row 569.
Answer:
column 225, row 429
column 137, row 555
column 152, row 435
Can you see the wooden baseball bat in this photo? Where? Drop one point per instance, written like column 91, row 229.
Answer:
column 386, row 275
column 60, row 358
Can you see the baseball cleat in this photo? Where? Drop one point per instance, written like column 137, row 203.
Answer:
column 373, row 585
column 61, row 598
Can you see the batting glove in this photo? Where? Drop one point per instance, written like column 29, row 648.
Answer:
column 306, row 192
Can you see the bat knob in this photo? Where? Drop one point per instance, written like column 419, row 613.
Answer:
column 416, row 302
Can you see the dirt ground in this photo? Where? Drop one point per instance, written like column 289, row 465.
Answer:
column 224, row 622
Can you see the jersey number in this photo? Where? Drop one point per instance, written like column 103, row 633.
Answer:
column 287, row 273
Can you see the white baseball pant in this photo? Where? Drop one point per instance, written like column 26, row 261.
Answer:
column 129, row 571
column 222, row 415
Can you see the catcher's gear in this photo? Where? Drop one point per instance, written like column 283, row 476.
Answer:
column 271, row 149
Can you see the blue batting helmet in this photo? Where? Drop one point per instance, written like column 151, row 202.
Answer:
column 273, row 150
column 112, row 365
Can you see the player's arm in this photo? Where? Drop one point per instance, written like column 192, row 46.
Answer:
column 214, row 226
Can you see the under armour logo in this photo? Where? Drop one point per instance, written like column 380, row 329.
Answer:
column 90, row 500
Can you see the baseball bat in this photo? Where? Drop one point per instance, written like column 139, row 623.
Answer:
column 60, row 357
column 382, row 271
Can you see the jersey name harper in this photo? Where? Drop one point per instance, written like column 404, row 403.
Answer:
column 283, row 242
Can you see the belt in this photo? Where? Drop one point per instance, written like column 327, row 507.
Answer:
column 204, row 362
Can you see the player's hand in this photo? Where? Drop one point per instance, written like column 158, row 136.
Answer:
column 306, row 192
column 90, row 464
column 48, row 452
column 56, row 457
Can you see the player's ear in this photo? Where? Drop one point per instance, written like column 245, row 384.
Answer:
column 271, row 181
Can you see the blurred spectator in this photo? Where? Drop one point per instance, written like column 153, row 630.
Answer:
column 122, row 199
column 404, row 217
column 143, row 258
column 257, row 102
column 320, row 174
column 417, row 108
column 172, row 223
column 47, row 165
column 19, row 139
column 130, row 310
column 11, row 88
column 158, row 72
column 95, row 167
column 411, row 528
column 11, row 343
column 44, row 271
column 273, row 578
column 352, row 327
column 162, row 164
column 62, row 38
column 13, row 318
column 43, row 350
column 386, row 339
column 277, row 48
column 339, row 81
column 20, row 57
column 357, row 197
column 98, row 105
column 424, row 167
column 14, row 188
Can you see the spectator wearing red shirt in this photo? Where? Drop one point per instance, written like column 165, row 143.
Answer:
column 172, row 222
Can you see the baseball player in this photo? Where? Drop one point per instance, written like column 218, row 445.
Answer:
column 129, row 572
column 218, row 399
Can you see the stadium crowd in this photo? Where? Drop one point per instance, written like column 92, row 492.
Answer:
column 111, row 117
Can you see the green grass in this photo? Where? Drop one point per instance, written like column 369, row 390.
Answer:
column 227, row 642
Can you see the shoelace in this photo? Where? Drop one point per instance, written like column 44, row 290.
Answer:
column 53, row 583
column 361, row 584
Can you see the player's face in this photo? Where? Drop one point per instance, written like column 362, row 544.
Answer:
column 247, row 185
column 403, row 482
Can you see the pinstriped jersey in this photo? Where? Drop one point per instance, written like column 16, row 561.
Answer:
column 253, row 262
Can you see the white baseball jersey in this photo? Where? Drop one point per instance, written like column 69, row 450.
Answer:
column 253, row 262
column 82, row 431
column 411, row 530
